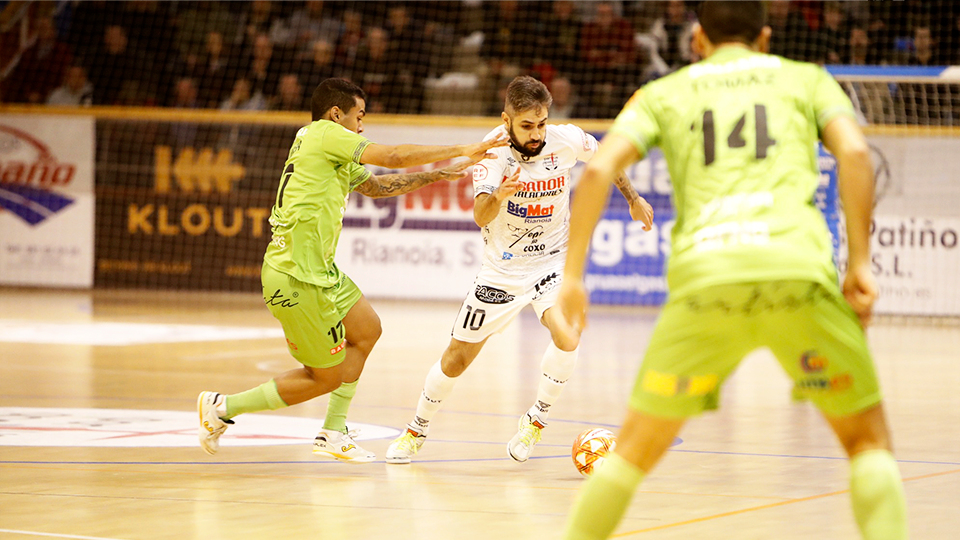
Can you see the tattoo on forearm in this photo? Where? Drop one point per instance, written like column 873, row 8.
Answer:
column 389, row 185
column 623, row 184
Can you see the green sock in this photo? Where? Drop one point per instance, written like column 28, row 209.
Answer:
column 877, row 494
column 337, row 406
column 603, row 500
column 262, row 398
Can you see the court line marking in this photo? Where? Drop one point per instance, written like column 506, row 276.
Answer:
column 451, row 460
column 765, row 507
column 229, row 355
column 55, row 535
column 518, row 512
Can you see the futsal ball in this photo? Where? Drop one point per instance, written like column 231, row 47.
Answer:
column 590, row 449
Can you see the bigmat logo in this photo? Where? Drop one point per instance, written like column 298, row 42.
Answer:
column 441, row 206
column 29, row 174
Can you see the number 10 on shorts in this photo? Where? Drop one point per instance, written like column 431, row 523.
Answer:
column 474, row 318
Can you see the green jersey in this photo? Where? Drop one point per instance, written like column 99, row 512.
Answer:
column 739, row 133
column 322, row 169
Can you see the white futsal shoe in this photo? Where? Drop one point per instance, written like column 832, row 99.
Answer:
column 528, row 435
column 211, row 425
column 341, row 446
column 404, row 447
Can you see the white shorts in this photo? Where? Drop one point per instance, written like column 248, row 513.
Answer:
column 497, row 298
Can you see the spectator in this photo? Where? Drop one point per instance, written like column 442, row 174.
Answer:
column 408, row 62
column 831, row 34
column 564, row 105
column 311, row 23
column 260, row 67
column 216, row 68
column 195, row 23
column 560, row 38
column 319, row 66
column 255, row 21
column 114, row 67
column 239, row 138
column 873, row 100
column 244, row 97
column 184, row 134
column 926, row 104
column 41, row 67
column 185, row 94
column 674, row 32
column 924, row 50
column 75, row 91
column 858, row 46
column 290, row 95
column 608, row 48
column 791, row 36
column 348, row 48
column 373, row 71
column 508, row 42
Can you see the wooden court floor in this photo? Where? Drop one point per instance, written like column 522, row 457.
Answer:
column 98, row 432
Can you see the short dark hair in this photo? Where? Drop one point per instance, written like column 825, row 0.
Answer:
column 334, row 93
column 525, row 93
column 725, row 21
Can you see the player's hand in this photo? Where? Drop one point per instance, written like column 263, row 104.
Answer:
column 452, row 173
column 573, row 302
column 478, row 151
column 509, row 186
column 860, row 290
column 640, row 210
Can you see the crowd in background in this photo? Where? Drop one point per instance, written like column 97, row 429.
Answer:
column 264, row 55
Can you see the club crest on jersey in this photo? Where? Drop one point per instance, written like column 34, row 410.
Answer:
column 510, row 161
column 530, row 212
column 551, row 162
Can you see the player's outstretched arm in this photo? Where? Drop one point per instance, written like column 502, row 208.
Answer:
column 410, row 155
column 487, row 205
column 640, row 209
column 845, row 140
column 391, row 185
column 589, row 200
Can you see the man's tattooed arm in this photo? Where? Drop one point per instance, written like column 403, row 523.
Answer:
column 391, row 185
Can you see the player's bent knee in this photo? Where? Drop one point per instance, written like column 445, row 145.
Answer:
column 862, row 431
column 458, row 356
column 567, row 342
column 325, row 380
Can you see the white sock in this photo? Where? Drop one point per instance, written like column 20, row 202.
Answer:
column 557, row 366
column 435, row 389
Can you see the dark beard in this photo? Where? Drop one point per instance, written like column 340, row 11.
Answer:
column 522, row 150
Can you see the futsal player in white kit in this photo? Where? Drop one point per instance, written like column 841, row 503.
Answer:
column 521, row 204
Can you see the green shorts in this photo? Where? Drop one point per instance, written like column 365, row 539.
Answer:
column 701, row 338
column 311, row 316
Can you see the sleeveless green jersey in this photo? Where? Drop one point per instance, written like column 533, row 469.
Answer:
column 322, row 169
column 739, row 133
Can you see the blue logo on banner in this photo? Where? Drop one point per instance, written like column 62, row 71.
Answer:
column 31, row 204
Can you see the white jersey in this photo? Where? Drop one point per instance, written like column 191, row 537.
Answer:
column 531, row 228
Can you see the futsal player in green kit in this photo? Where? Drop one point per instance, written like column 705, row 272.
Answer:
column 329, row 326
column 751, row 259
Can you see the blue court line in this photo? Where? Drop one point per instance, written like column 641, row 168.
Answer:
column 458, row 460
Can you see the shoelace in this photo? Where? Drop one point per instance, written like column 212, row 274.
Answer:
column 530, row 436
column 408, row 443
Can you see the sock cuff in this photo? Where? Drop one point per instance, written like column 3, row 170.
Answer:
column 436, row 370
column 273, row 395
column 347, row 389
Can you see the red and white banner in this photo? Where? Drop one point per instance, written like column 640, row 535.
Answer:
column 46, row 200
